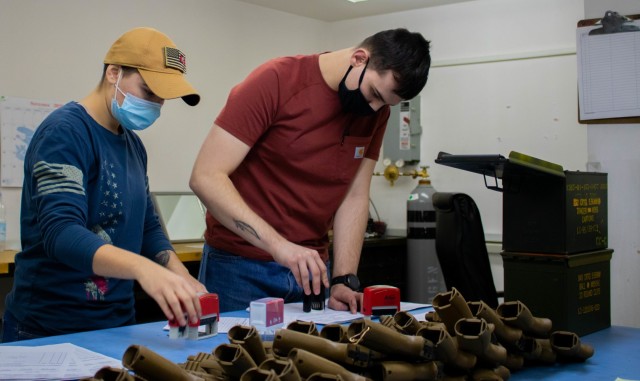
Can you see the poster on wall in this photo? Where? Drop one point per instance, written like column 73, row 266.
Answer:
column 19, row 119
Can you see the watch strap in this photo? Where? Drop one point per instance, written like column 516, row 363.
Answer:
column 340, row 279
column 349, row 280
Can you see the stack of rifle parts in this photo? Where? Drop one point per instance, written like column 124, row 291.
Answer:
column 459, row 341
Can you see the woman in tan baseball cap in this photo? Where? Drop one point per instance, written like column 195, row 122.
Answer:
column 88, row 226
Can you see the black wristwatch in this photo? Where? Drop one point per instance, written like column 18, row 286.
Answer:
column 349, row 280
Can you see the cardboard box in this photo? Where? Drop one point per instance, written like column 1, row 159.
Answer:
column 574, row 291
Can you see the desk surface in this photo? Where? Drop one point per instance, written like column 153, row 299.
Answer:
column 187, row 252
column 616, row 350
column 6, row 258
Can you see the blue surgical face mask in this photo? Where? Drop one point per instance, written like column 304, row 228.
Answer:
column 135, row 113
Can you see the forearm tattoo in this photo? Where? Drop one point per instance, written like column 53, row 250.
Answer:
column 163, row 257
column 243, row 226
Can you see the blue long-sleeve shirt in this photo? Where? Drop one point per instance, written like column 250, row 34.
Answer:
column 83, row 187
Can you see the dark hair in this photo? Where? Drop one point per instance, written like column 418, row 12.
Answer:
column 126, row 70
column 405, row 53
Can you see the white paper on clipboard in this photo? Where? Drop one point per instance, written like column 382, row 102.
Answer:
column 608, row 73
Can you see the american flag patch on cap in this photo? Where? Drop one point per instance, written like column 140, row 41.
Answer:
column 174, row 58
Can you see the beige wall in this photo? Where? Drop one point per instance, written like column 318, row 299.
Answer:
column 523, row 105
column 504, row 78
column 489, row 107
column 54, row 51
column 615, row 148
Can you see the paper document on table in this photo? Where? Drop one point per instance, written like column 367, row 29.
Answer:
column 226, row 323
column 51, row 362
column 293, row 312
column 410, row 306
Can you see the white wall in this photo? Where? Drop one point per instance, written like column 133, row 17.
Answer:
column 615, row 147
column 53, row 50
column 527, row 106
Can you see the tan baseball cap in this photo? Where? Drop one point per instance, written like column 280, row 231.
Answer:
column 160, row 63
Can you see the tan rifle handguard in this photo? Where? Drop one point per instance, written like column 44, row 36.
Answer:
column 474, row 335
column 407, row 323
column 205, row 362
column 234, row 359
column 193, row 366
column 537, row 350
column 503, row 372
column 151, row 366
column 506, row 334
column 432, row 316
column 285, row 340
column 257, row 374
column 451, row 307
column 388, row 341
column 433, row 324
column 284, row 369
column 335, row 332
column 499, row 374
column 514, row 361
column 547, row 355
column 249, row 338
column 402, row 371
column 309, row 363
column 457, row 377
column 517, row 314
column 114, row 374
column 324, row 377
column 446, row 347
column 307, row 327
column 568, row 347
column 212, row 366
column 388, row 321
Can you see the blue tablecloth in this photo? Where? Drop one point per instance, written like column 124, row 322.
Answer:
column 616, row 350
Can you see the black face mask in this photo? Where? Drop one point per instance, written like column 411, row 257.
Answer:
column 352, row 100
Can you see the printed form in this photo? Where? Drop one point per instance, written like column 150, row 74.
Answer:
column 608, row 74
column 51, row 362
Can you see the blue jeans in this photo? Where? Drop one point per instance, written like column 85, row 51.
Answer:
column 12, row 330
column 238, row 280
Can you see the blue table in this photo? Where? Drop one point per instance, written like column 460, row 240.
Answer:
column 616, row 350
column 113, row 342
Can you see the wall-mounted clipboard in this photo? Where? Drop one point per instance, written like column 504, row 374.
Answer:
column 607, row 74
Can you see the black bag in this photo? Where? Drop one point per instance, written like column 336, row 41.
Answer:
column 461, row 247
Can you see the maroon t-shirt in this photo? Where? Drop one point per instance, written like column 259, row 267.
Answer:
column 304, row 152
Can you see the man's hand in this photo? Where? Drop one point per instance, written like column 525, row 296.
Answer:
column 345, row 299
column 305, row 264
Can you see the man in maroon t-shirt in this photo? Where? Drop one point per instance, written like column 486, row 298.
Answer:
column 289, row 158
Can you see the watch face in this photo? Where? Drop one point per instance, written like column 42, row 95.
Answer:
column 349, row 280
column 353, row 282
